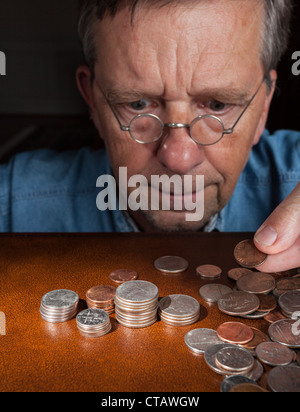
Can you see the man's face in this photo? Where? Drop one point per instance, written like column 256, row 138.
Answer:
column 178, row 62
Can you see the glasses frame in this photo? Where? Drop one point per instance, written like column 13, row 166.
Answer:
column 180, row 125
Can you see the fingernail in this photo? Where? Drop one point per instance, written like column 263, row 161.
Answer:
column 267, row 236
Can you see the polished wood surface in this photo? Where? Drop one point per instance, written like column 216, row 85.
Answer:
column 40, row 356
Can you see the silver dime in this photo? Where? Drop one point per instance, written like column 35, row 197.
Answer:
column 213, row 292
column 171, row 264
column 92, row 317
column 199, row 340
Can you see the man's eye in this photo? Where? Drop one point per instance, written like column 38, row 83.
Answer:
column 217, row 106
column 139, row 105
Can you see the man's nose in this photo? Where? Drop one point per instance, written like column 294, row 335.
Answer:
column 178, row 152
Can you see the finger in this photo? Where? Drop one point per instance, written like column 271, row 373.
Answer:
column 282, row 229
column 289, row 259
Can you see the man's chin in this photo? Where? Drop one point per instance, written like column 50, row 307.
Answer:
column 170, row 221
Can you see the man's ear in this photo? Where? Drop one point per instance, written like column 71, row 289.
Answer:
column 84, row 84
column 266, row 107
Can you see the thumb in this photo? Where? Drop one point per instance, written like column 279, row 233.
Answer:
column 282, row 229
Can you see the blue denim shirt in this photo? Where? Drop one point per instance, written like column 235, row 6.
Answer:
column 45, row 191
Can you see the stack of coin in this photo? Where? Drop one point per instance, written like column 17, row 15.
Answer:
column 93, row 323
column 179, row 310
column 136, row 304
column 101, row 297
column 59, row 305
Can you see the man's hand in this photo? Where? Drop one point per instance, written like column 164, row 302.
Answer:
column 279, row 236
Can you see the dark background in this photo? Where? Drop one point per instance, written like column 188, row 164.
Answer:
column 40, row 105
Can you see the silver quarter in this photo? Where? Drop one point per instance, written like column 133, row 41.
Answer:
column 235, row 360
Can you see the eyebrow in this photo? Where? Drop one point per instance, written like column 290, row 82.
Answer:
column 226, row 95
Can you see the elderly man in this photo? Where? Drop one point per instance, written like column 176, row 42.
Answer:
column 181, row 88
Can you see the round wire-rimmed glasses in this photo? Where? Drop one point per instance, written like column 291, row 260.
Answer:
column 205, row 130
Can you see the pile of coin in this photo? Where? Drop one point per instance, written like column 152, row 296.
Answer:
column 136, row 304
column 101, row 297
column 93, row 323
column 59, row 305
column 179, row 310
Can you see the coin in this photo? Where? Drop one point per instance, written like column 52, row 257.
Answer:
column 259, row 337
column 120, row 276
column 59, row 305
column 284, row 379
column 235, row 333
column 213, row 292
column 238, row 303
column 267, row 303
column 247, row 255
column 256, row 282
column 235, row 360
column 209, row 271
column 171, row 264
column 179, row 310
column 136, row 304
column 286, row 333
column 290, row 302
column 231, row 381
column 274, row 354
column 101, row 297
column 199, row 340
column 93, row 322
column 247, row 388
column 274, row 316
column 288, row 284
column 210, row 358
column 236, row 273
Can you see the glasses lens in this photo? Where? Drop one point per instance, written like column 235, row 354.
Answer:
column 146, row 128
column 206, row 130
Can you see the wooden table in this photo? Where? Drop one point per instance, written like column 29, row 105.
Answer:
column 40, row 356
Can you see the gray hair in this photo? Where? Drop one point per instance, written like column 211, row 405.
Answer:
column 275, row 30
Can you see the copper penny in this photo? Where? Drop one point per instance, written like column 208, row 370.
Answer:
column 259, row 337
column 247, row 255
column 274, row 316
column 235, row 333
column 209, row 271
column 285, row 285
column 238, row 303
column 236, row 273
column 274, row 354
column 257, row 282
column 267, row 303
column 101, row 293
column 120, row 276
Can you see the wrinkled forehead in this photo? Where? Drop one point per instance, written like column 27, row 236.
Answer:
column 209, row 38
